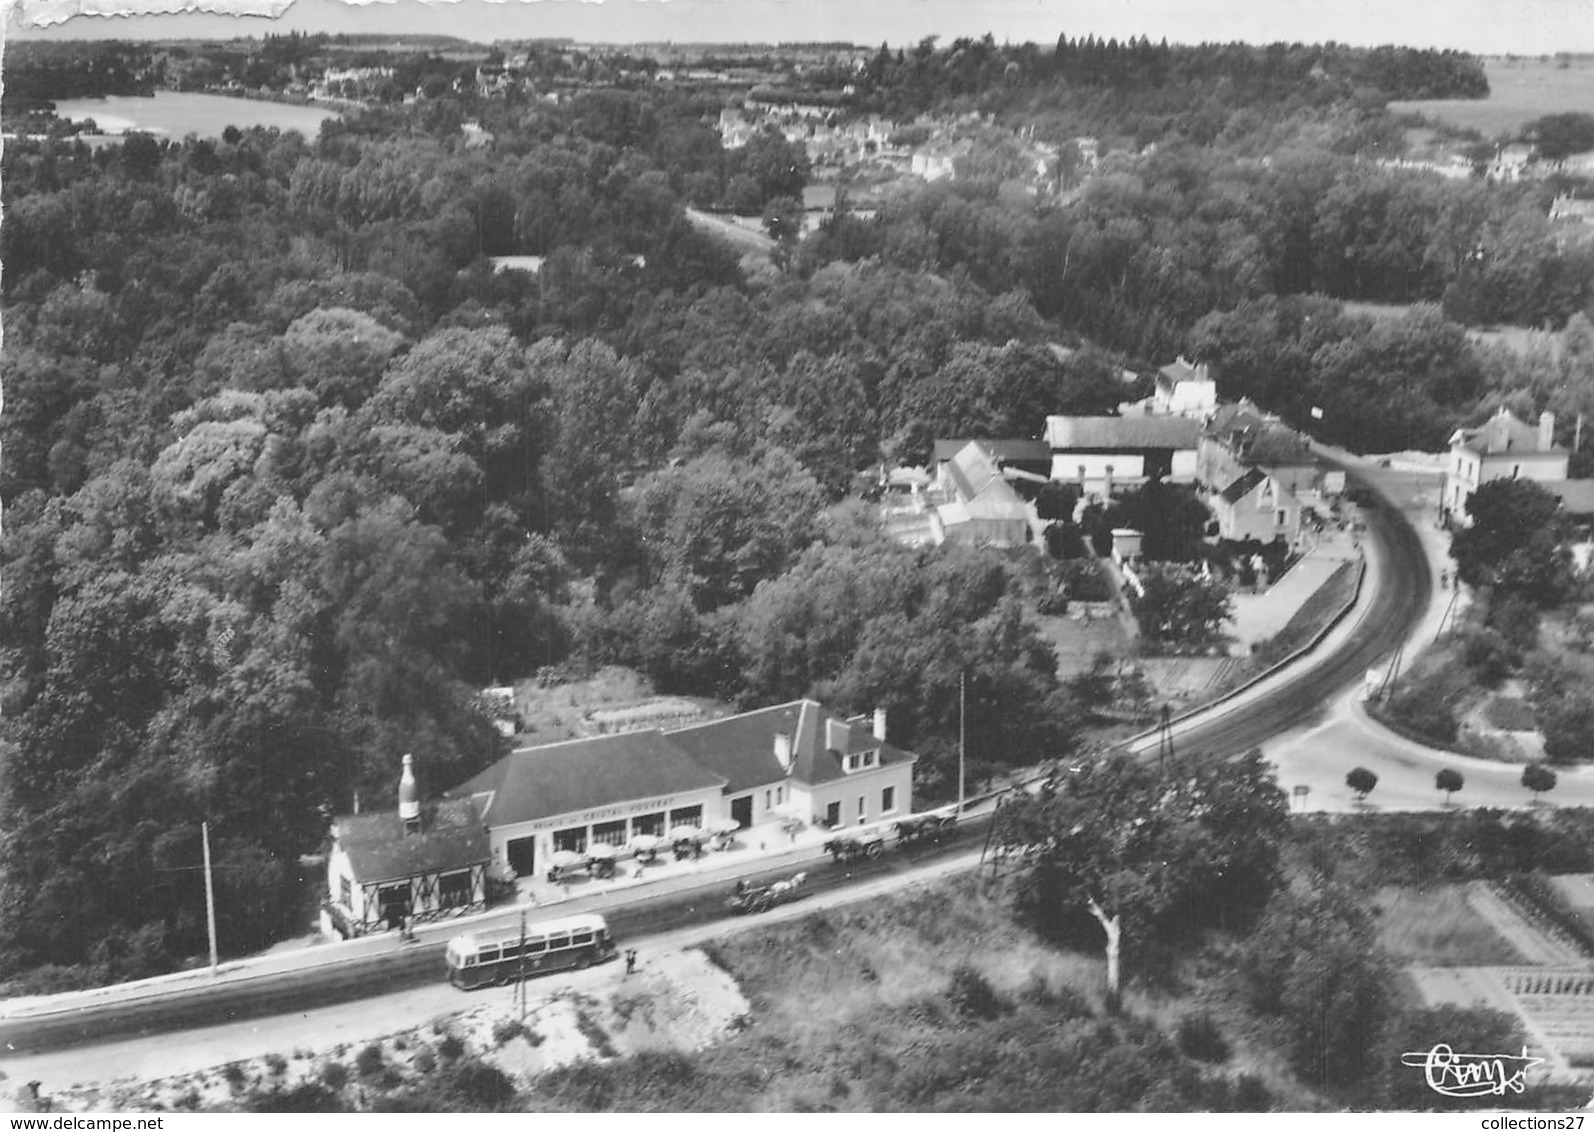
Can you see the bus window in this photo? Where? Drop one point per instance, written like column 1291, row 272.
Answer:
column 536, row 945
column 581, row 939
column 558, row 941
column 487, row 955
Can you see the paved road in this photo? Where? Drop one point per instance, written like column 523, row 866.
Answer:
column 1399, row 588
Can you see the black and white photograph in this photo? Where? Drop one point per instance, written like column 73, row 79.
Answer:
column 796, row 556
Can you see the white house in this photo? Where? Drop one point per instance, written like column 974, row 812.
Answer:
column 1503, row 447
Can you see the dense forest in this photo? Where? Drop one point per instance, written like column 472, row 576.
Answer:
column 290, row 471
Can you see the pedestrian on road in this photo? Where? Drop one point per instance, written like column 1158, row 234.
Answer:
column 630, row 962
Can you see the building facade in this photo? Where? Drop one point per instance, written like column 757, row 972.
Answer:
column 1503, row 447
column 794, row 760
column 417, row 864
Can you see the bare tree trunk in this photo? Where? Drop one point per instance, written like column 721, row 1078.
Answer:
column 1113, row 926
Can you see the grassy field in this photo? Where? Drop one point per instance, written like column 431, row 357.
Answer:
column 1438, row 928
column 1520, row 90
column 932, row 1000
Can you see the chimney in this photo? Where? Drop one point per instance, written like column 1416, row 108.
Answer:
column 880, row 724
column 409, row 806
column 1546, row 431
column 838, row 736
column 783, row 754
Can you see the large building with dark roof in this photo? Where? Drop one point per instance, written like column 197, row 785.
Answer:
column 1105, row 455
column 566, row 796
column 793, row 760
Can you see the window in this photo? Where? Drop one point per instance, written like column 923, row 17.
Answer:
column 570, row 840
column 648, row 823
column 854, row 762
column 581, row 939
column 768, row 798
column 687, row 815
column 609, row 833
column 535, row 945
column 1282, row 518
column 558, row 941
column 345, row 892
column 454, row 889
column 869, row 757
column 861, row 810
column 888, row 799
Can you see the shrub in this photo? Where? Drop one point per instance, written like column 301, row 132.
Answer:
column 234, row 1075
column 1199, row 1038
column 1488, row 655
column 1362, row 781
column 1426, row 714
column 425, row 1060
column 369, row 1061
column 451, row 1048
column 334, row 1074
column 971, row 995
column 308, row 1096
column 1568, row 723
column 506, row 1030
column 277, row 1064
column 1449, row 781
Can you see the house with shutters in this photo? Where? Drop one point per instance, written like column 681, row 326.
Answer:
column 416, row 864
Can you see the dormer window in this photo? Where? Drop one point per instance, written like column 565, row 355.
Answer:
column 862, row 760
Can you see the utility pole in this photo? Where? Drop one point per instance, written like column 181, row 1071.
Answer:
column 210, row 898
column 962, row 732
column 520, row 981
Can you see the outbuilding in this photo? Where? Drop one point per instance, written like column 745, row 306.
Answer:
column 416, row 864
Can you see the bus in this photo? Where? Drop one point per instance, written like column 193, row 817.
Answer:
column 504, row 955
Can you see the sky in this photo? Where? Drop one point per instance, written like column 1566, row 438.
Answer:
column 1527, row 27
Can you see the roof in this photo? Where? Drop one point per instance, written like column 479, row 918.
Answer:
column 742, row 747
column 1256, row 437
column 1576, row 496
column 1180, row 371
column 452, row 837
column 1015, row 451
column 1121, row 433
column 583, row 774
column 1500, row 434
column 1243, row 486
column 971, row 471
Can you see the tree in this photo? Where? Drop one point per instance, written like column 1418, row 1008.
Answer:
column 1449, row 781
column 1538, row 778
column 1362, row 781
column 1177, row 606
column 1567, row 722
column 1146, row 852
column 1513, row 544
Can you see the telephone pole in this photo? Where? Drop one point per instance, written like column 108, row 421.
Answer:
column 210, row 898
column 963, row 679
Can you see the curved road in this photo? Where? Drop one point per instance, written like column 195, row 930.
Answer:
column 1400, row 598
column 1401, row 592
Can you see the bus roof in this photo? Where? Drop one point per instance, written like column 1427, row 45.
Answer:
column 496, row 937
